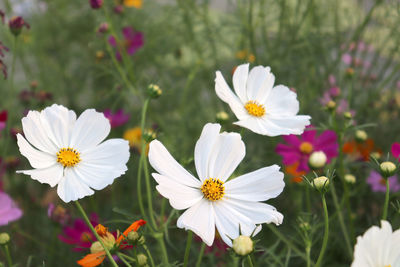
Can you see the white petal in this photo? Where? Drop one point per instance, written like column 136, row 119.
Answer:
column 259, row 185
column 36, row 134
column 162, row 161
column 290, row 125
column 240, row 81
column 225, row 93
column 37, row 159
column 58, row 122
column 71, row 188
column 90, row 129
column 50, row 175
column 282, row 102
column 180, row 196
column 228, row 151
column 257, row 212
column 204, row 147
column 200, row 220
column 259, row 84
column 113, row 152
column 253, row 124
column 98, row 176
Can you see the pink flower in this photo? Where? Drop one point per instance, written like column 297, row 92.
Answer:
column 116, row 119
column 58, row 214
column 299, row 148
column 396, row 151
column 3, row 119
column 9, row 210
column 378, row 184
column 95, row 4
column 133, row 40
column 332, row 80
column 347, row 59
column 79, row 234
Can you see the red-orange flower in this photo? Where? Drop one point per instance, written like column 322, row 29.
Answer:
column 95, row 259
column 360, row 150
column 297, row 176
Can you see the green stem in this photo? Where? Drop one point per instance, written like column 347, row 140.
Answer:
column 139, row 189
column 14, row 57
column 326, row 233
column 250, row 262
column 149, row 254
column 95, row 233
column 8, row 255
column 160, row 239
column 200, row 257
column 122, row 258
column 386, row 205
column 187, row 250
column 308, row 251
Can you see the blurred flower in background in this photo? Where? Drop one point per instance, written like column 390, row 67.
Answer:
column 9, row 210
column 133, row 40
column 118, row 118
column 3, row 119
column 58, row 213
column 133, row 3
column 361, row 150
column 16, row 24
column 378, row 183
column 395, row 149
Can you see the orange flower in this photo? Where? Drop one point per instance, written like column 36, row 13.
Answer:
column 297, row 176
column 101, row 230
column 360, row 150
column 95, row 259
column 133, row 3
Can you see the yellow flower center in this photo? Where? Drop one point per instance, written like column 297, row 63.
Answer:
column 306, row 147
column 213, row 189
column 255, row 109
column 68, row 157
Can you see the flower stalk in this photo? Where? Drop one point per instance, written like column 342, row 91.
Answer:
column 386, row 204
column 187, row 250
column 326, row 233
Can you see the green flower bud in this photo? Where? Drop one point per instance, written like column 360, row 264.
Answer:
column 387, row 168
column 154, row 91
column 4, row 238
column 321, row 183
column 142, row 259
column 243, row 245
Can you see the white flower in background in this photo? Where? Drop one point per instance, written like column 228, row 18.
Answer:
column 378, row 247
column 212, row 201
column 68, row 152
column 258, row 105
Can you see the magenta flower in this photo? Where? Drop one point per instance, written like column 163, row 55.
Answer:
column 299, row 148
column 3, row 119
column 95, row 4
column 79, row 234
column 396, row 150
column 116, row 119
column 9, row 210
column 378, row 184
column 133, row 40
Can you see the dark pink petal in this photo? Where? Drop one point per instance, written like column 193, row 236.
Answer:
column 309, row 134
column 292, row 140
column 112, row 41
column 396, row 150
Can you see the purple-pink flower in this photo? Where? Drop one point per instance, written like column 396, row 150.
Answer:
column 299, row 148
column 79, row 234
column 58, row 214
column 9, row 210
column 378, row 183
column 395, row 149
column 133, row 40
column 116, row 119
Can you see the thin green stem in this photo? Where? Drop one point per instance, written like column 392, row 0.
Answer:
column 160, row 239
column 187, row 250
column 249, row 261
column 85, row 217
column 122, row 258
column 8, row 255
column 386, row 205
column 139, row 189
column 149, row 254
column 14, row 57
column 200, row 257
column 326, row 233
column 308, row 252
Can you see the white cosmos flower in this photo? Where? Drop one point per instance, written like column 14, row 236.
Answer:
column 378, row 247
column 68, row 152
column 258, row 105
column 212, row 201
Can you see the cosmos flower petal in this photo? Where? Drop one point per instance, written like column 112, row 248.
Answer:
column 90, row 129
column 260, row 126
column 36, row 158
column 225, row 93
column 204, row 147
column 71, row 187
column 9, row 210
column 259, row 185
column 96, row 177
column 281, row 101
column 289, row 125
column 180, row 196
column 259, row 84
column 239, row 80
column 50, row 175
column 58, row 122
column 204, row 227
column 35, row 133
column 162, row 161
column 228, row 151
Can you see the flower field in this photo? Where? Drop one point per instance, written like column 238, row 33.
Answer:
column 200, row 133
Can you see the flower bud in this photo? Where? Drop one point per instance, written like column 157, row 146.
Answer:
column 95, row 4
column 222, row 117
column 16, row 23
column 133, row 236
column 347, row 115
column 349, row 72
column 361, row 135
column 317, row 160
column 387, row 168
column 321, row 183
column 4, row 238
column 149, row 135
column 142, row 259
column 331, row 105
column 96, row 247
column 103, row 28
column 243, row 245
column 305, row 226
column 375, row 155
column 350, row 178
column 154, row 91
column 99, row 55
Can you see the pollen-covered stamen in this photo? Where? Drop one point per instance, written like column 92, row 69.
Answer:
column 306, row 147
column 255, row 109
column 68, row 157
column 213, row 189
